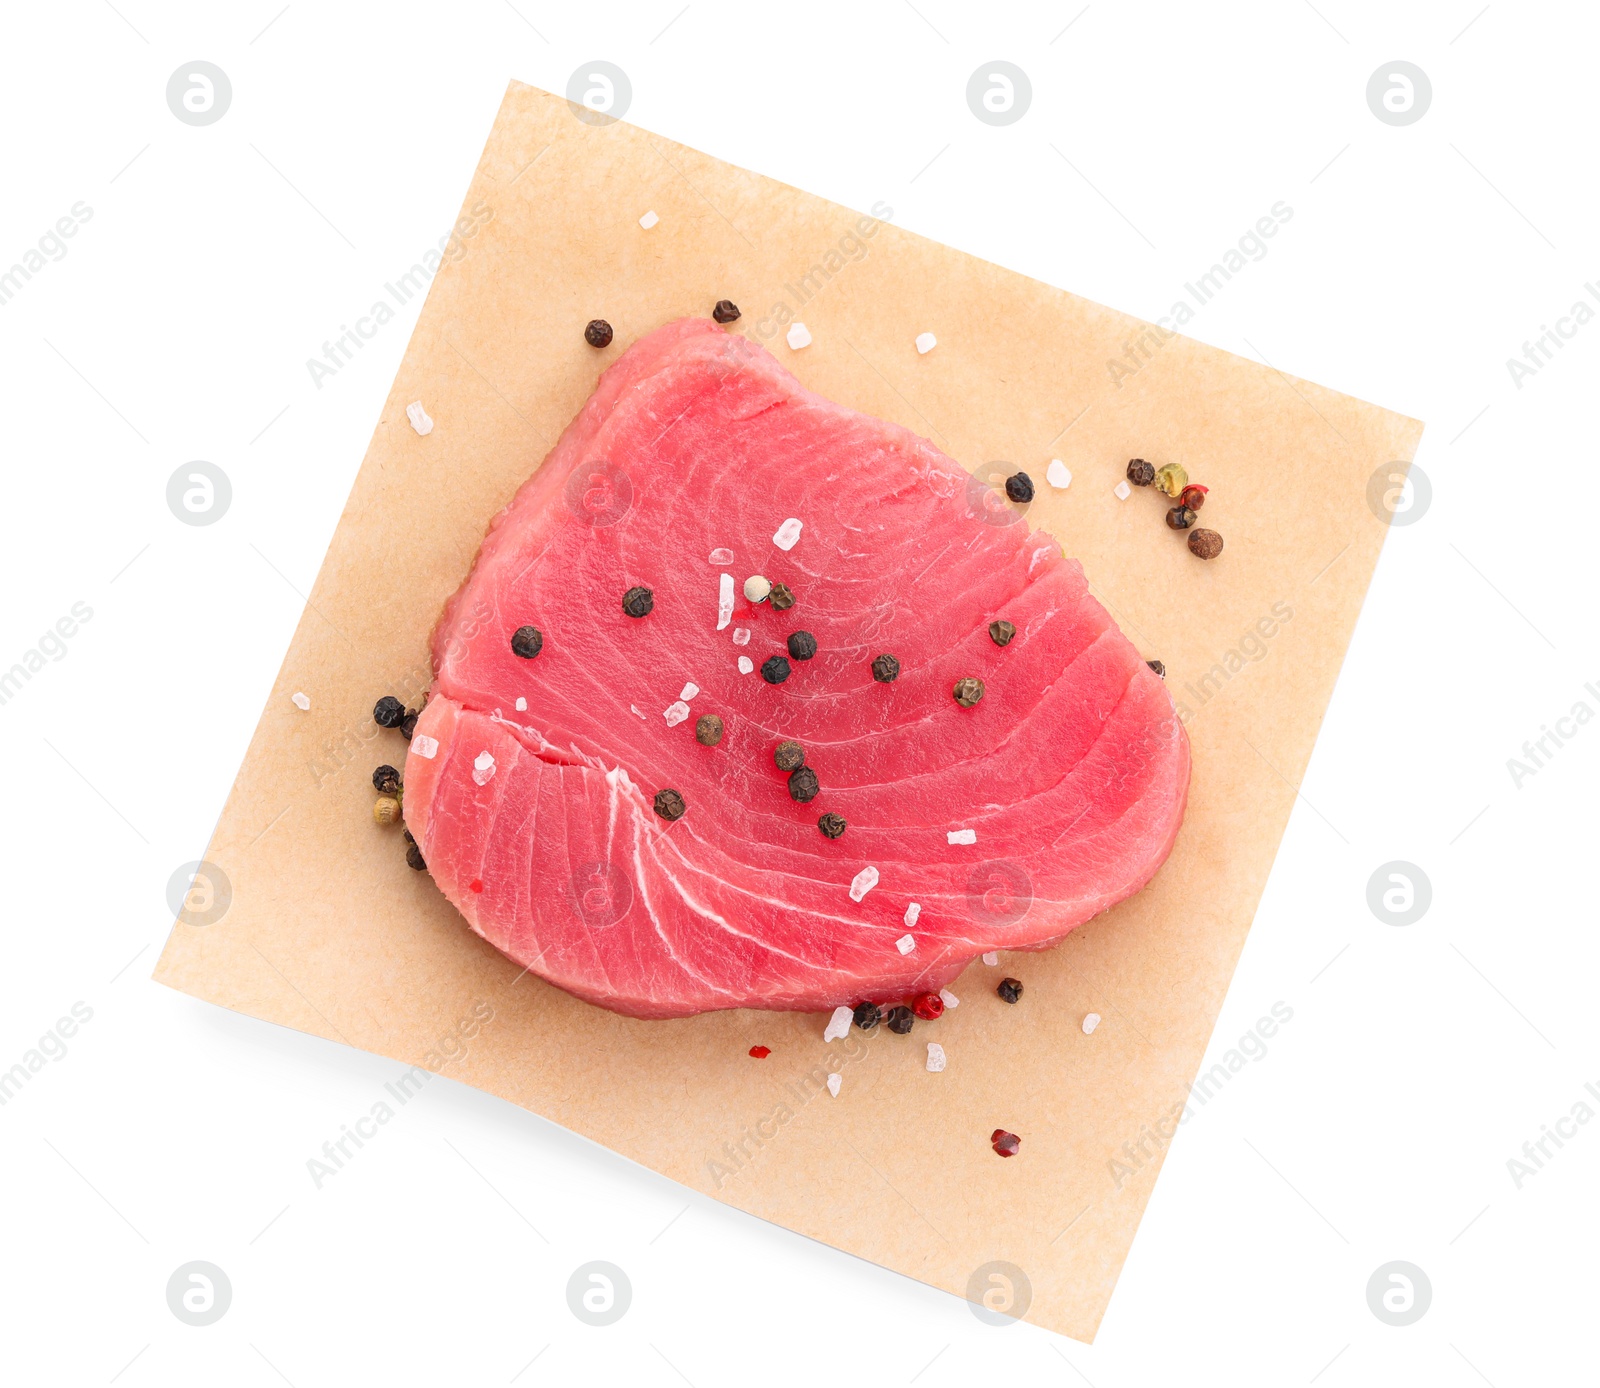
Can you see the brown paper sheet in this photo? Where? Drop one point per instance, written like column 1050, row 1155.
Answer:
column 330, row 933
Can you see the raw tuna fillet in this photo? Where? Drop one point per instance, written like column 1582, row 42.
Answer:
column 530, row 782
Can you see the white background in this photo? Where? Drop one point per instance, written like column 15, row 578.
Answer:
column 1419, row 1059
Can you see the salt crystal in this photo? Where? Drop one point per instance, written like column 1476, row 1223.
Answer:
column 648, row 220
column 522, row 705
column 905, row 944
column 482, row 767
column 961, row 836
column 991, row 958
column 834, row 1081
column 1123, row 490
column 300, row 701
column 798, row 336
column 721, row 556
column 788, row 534
column 638, row 712
column 746, row 665
column 912, row 912
column 741, row 636
column 948, row 998
column 419, row 417
column 724, row 600
column 838, row 1024
column 926, row 342
column 689, row 691
column 1057, row 474
column 936, row 1060
column 1090, row 1023
column 425, row 746
column 863, row 882
column 676, row 713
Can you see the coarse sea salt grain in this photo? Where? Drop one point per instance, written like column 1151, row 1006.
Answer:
column 863, row 882
column 425, row 746
column 522, row 705
column 948, row 998
column 1090, row 1023
column 1058, row 474
column 724, row 601
column 676, row 713
column 912, row 912
column 482, row 767
column 798, row 336
column 1123, row 490
column 905, row 944
column 746, row 665
column 648, row 220
column 961, row 836
column 721, row 556
column 638, row 712
column 926, row 342
column 741, row 636
column 300, row 701
column 838, row 1024
column 834, row 1081
column 788, row 533
column 419, row 417
column 689, row 691
column 992, row 958
column 936, row 1060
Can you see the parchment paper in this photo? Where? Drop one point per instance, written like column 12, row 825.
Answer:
column 329, row 932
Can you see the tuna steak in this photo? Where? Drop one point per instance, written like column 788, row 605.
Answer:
column 531, row 780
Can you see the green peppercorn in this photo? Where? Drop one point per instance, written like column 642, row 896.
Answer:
column 781, row 597
column 527, row 642
column 388, row 712
column 832, row 825
column 414, row 857
column 1172, row 478
column 1180, row 518
column 1019, row 487
column 803, row 785
column 1205, row 544
column 1141, row 473
column 638, row 602
column 968, row 691
column 726, row 311
column 1010, row 989
column 790, row 756
column 867, row 1015
column 386, row 780
column 708, row 730
column 1001, row 633
column 598, row 333
column 900, row 1020
column 775, row 670
column 669, row 805
column 1158, row 667
column 802, row 645
column 885, row 669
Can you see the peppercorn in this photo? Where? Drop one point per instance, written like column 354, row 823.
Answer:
column 757, row 588
column 760, row 1052
column 1004, row 1143
column 385, row 809
column 1001, row 633
column 1194, row 496
column 885, row 669
column 388, row 712
column 832, row 825
column 900, row 1021
column 598, row 333
column 414, row 858
column 408, row 724
column 406, row 833
column 1141, row 473
column 968, row 692
column 527, row 642
column 867, row 1015
column 1205, row 544
column 638, row 602
column 1172, row 479
column 669, row 805
column 386, row 780
column 929, row 1006
column 781, row 597
column 726, row 311
column 802, row 645
column 789, row 756
column 775, row 669
column 708, row 730
column 1158, row 667
column 1180, row 517
column 803, row 784
column 1010, row 989
column 1019, row 487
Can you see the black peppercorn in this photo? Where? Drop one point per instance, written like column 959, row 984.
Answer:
column 1141, row 473
column 669, row 805
column 388, row 712
column 790, row 756
column 638, row 602
column 832, row 825
column 802, row 645
column 386, row 780
column 1158, row 667
column 900, row 1020
column 781, row 598
column 1205, row 544
column 414, row 857
column 968, row 691
column 803, row 785
column 867, row 1015
column 1019, row 487
column 775, row 670
column 708, row 730
column 1010, row 989
column 1001, row 633
column 726, row 311
column 598, row 333
column 1180, row 518
column 885, row 669
column 408, row 724
column 527, row 642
